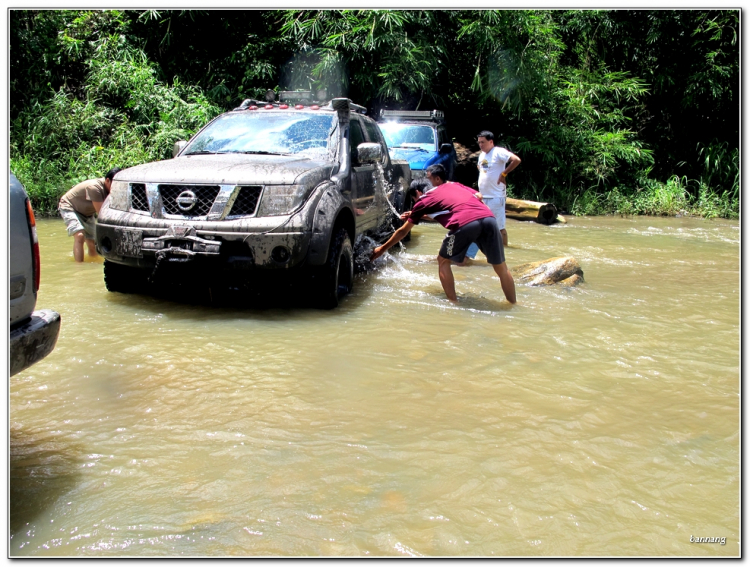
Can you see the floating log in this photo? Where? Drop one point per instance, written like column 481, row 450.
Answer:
column 543, row 213
column 563, row 270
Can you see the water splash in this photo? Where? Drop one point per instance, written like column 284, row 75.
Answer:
column 386, row 191
column 384, row 195
column 363, row 247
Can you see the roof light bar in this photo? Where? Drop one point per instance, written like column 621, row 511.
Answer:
column 414, row 114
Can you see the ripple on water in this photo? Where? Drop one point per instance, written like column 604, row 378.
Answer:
column 600, row 420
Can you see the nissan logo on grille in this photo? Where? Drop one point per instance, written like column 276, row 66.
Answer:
column 186, row 200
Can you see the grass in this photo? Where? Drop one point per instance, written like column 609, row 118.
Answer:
column 674, row 197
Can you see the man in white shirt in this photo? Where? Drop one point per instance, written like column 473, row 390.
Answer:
column 494, row 164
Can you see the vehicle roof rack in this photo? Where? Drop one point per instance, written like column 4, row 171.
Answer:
column 432, row 115
column 302, row 97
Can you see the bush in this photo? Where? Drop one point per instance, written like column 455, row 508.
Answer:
column 125, row 117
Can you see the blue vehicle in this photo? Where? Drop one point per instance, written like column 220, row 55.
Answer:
column 419, row 137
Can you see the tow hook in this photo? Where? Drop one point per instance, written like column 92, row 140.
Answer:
column 179, row 244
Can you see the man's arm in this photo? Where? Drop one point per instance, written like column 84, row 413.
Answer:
column 97, row 205
column 396, row 237
column 513, row 162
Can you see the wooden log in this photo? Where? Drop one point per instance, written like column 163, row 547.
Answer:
column 543, row 213
column 564, row 270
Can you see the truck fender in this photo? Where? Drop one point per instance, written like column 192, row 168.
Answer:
column 327, row 212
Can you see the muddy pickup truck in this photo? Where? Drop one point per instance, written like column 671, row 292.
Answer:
column 287, row 187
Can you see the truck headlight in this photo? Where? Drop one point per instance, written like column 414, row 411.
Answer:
column 118, row 195
column 282, row 199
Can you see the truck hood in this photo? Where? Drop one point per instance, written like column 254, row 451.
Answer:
column 417, row 159
column 230, row 169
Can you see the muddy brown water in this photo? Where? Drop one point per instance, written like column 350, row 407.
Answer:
column 597, row 421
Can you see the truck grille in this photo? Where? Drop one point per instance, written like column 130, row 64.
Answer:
column 204, row 199
column 138, row 199
column 246, row 201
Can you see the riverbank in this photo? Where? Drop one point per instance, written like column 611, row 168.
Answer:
column 677, row 197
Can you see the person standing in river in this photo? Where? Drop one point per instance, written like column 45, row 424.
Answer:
column 78, row 208
column 494, row 164
column 458, row 209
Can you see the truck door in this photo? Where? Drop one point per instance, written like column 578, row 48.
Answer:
column 363, row 181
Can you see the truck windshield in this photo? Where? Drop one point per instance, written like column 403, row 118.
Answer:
column 280, row 133
column 408, row 136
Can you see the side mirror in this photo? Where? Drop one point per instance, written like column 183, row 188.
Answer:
column 446, row 148
column 369, row 153
column 177, row 148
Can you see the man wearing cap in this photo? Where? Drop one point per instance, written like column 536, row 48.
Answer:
column 458, row 209
column 78, row 208
column 494, row 164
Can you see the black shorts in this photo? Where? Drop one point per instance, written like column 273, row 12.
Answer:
column 484, row 232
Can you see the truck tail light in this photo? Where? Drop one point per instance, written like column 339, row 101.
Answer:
column 35, row 239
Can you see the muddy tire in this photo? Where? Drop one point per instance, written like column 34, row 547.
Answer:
column 124, row 279
column 335, row 278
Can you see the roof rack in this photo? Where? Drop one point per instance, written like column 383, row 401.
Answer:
column 433, row 115
column 301, row 97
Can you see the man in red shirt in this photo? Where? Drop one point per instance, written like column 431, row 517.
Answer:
column 459, row 209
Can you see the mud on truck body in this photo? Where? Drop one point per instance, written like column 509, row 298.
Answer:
column 283, row 187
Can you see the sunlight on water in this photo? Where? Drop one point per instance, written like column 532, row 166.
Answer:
column 601, row 420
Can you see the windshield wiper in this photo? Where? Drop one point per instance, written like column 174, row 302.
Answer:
column 261, row 152
column 202, row 153
column 410, row 148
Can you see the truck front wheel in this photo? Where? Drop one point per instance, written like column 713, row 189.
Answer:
column 335, row 278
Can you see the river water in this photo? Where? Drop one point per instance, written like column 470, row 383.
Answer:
column 602, row 420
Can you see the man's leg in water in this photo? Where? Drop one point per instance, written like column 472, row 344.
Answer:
column 506, row 281
column 92, row 247
column 446, row 278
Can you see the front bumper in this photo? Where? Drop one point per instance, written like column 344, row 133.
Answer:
column 33, row 340
column 140, row 247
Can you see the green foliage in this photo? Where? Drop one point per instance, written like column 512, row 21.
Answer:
column 387, row 53
column 516, row 54
column 587, row 142
column 721, row 168
column 652, row 197
column 611, row 111
column 122, row 117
